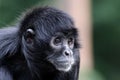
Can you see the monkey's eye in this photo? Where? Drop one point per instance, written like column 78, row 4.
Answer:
column 70, row 41
column 57, row 40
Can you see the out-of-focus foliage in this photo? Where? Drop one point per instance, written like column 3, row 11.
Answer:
column 90, row 75
column 10, row 9
column 106, row 16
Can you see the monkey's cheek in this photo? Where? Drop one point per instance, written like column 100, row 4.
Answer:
column 72, row 61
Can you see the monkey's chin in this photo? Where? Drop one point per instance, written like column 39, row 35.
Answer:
column 63, row 67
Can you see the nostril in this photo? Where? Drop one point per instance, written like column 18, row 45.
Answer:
column 67, row 53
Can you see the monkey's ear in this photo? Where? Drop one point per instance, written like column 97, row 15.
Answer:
column 29, row 36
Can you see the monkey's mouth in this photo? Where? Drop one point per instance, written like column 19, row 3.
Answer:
column 63, row 65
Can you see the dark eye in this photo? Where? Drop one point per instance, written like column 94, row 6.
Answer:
column 70, row 41
column 57, row 40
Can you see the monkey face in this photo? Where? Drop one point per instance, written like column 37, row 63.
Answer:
column 62, row 56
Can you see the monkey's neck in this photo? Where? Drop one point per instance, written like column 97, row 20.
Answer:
column 40, row 70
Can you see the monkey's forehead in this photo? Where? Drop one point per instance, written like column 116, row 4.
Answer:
column 48, row 35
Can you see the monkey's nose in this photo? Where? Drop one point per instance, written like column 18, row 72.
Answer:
column 67, row 53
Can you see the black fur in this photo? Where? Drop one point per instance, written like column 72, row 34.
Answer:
column 21, row 61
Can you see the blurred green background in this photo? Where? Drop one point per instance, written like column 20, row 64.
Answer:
column 106, row 36
column 11, row 9
column 106, row 31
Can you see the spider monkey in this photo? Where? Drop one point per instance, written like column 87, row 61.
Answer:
column 44, row 46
